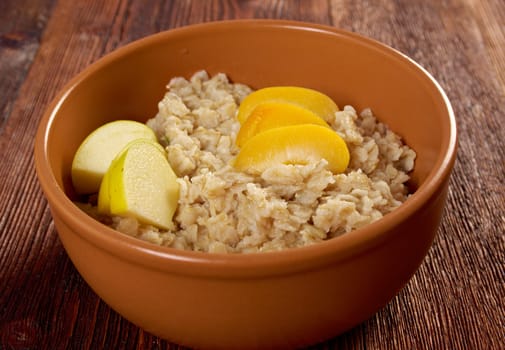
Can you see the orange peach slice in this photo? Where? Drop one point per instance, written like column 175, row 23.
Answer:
column 295, row 144
column 313, row 100
column 271, row 115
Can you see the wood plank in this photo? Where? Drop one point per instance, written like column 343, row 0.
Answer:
column 490, row 18
column 21, row 25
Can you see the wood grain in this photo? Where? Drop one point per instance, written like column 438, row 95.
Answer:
column 21, row 25
column 454, row 301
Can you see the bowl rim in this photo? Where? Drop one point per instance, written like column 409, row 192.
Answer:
column 264, row 264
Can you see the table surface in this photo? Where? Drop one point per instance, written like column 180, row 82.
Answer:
column 456, row 298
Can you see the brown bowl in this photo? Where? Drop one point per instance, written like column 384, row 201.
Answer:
column 277, row 299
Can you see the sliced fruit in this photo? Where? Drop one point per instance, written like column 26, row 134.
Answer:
column 295, row 144
column 104, row 195
column 141, row 184
column 313, row 100
column 271, row 115
column 94, row 155
column 104, row 192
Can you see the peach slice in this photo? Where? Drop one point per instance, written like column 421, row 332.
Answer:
column 271, row 115
column 295, row 144
column 313, row 100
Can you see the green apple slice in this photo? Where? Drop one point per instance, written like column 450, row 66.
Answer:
column 103, row 205
column 104, row 192
column 142, row 184
column 95, row 154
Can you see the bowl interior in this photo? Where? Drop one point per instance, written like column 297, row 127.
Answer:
column 128, row 83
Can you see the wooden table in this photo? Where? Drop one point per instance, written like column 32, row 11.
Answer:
column 455, row 300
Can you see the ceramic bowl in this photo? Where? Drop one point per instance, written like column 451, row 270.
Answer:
column 279, row 299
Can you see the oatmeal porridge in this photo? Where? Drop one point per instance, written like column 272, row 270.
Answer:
column 223, row 210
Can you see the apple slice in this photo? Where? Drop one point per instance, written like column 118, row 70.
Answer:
column 95, row 154
column 104, row 192
column 140, row 183
column 103, row 205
